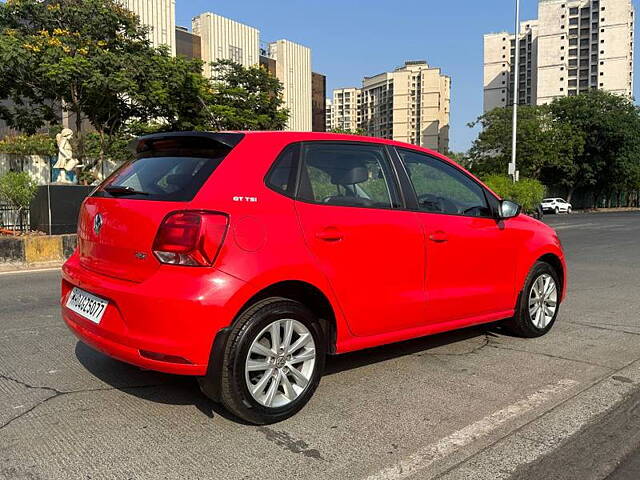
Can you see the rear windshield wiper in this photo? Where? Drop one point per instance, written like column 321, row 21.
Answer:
column 123, row 190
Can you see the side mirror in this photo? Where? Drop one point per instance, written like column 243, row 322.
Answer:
column 509, row 209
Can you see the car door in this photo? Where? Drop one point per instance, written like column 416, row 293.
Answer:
column 471, row 257
column 371, row 250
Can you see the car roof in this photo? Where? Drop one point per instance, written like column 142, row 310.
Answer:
column 234, row 137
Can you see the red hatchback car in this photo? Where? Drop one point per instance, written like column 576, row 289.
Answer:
column 243, row 258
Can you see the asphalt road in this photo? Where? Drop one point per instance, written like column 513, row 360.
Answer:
column 428, row 408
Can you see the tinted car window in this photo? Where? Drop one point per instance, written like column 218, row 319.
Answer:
column 282, row 176
column 174, row 171
column 442, row 188
column 346, row 175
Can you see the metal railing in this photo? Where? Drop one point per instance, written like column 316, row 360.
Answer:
column 10, row 219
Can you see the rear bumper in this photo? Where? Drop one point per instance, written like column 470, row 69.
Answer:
column 173, row 315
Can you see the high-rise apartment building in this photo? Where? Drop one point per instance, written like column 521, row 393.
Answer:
column 226, row 39
column 318, row 105
column 410, row 104
column 293, row 69
column 188, row 44
column 160, row 17
column 574, row 46
column 223, row 38
column 328, row 115
column 345, row 109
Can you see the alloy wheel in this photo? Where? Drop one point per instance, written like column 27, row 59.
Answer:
column 280, row 363
column 543, row 300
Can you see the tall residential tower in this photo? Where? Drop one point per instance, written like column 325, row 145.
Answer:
column 409, row 104
column 574, row 46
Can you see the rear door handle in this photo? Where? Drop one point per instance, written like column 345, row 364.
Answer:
column 438, row 236
column 329, row 234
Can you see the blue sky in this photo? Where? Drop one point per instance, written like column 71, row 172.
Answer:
column 353, row 38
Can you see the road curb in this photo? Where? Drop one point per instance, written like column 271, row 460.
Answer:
column 19, row 267
column 549, row 432
column 36, row 249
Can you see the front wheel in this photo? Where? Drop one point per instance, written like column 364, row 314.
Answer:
column 569, row 211
column 557, row 211
column 538, row 303
column 273, row 361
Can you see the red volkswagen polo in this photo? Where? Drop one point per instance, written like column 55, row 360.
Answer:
column 245, row 258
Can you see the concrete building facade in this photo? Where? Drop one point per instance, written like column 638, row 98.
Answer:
column 574, row 46
column 410, row 104
column 226, row 39
column 187, row 44
column 318, row 105
column 160, row 17
column 293, row 69
column 345, row 109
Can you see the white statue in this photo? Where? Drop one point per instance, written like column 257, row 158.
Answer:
column 66, row 162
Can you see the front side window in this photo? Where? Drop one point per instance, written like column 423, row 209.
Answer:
column 346, row 175
column 442, row 188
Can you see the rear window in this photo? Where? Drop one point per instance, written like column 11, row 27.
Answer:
column 170, row 169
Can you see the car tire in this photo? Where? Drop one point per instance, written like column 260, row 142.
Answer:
column 569, row 211
column 556, row 211
column 529, row 321
column 249, row 340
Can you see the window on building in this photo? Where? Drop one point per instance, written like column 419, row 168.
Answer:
column 235, row 54
column 573, row 11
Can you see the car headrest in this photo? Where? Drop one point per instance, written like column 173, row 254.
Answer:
column 349, row 171
column 178, row 179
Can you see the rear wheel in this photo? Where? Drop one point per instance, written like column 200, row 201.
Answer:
column 273, row 361
column 538, row 303
column 556, row 210
column 568, row 210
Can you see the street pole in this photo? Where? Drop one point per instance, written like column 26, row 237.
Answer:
column 516, row 82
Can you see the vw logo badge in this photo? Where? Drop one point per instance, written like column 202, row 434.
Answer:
column 97, row 223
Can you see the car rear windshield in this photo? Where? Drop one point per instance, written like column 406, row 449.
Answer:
column 170, row 169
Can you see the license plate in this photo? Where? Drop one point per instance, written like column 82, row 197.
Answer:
column 87, row 305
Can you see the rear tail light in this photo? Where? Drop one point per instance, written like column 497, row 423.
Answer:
column 190, row 238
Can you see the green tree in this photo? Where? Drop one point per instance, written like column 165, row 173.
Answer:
column 610, row 127
column 346, row 131
column 92, row 58
column 527, row 192
column 17, row 189
column 244, row 98
column 542, row 145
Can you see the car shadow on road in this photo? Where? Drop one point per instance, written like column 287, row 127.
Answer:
column 183, row 390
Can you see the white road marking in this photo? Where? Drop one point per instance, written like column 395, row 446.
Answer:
column 35, row 270
column 447, row 445
column 591, row 226
column 575, row 225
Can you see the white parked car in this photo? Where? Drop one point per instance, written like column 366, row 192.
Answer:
column 556, row 205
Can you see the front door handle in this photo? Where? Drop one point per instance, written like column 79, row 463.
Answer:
column 329, row 234
column 438, row 236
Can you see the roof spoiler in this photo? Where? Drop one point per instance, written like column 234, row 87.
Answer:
column 145, row 143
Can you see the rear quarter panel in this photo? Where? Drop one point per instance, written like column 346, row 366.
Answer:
column 264, row 243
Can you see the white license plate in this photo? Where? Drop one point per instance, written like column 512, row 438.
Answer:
column 86, row 304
